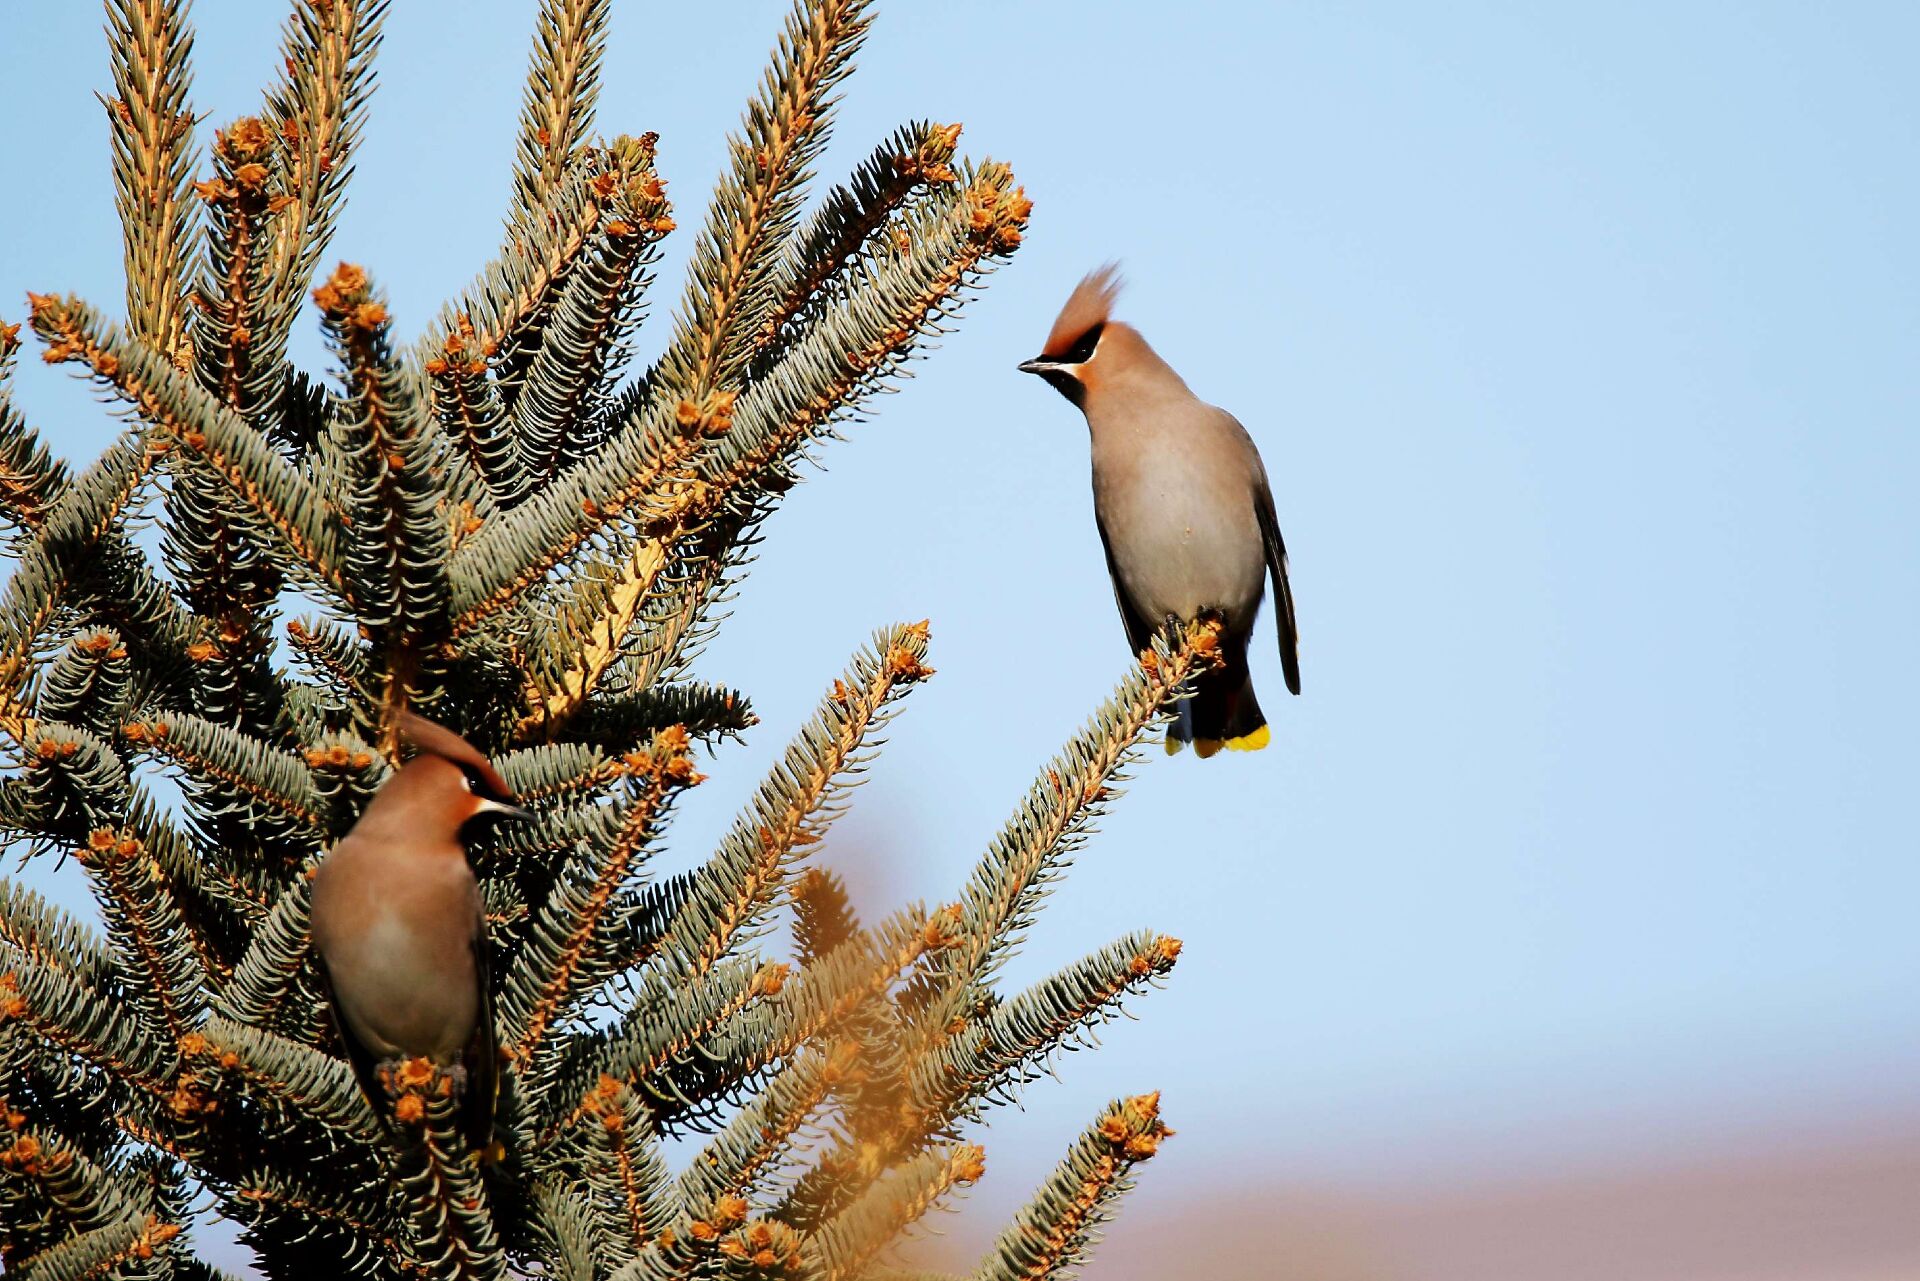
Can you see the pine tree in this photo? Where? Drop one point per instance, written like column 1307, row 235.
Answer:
column 500, row 526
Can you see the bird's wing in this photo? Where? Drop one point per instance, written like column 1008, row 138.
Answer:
column 483, row 1052
column 1282, row 589
column 1139, row 630
column 359, row 1057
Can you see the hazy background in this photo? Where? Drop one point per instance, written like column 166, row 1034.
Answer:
column 1568, row 928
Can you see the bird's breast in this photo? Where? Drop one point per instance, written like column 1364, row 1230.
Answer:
column 397, row 934
column 1185, row 537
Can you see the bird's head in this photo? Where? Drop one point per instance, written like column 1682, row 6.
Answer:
column 1079, row 334
column 450, row 779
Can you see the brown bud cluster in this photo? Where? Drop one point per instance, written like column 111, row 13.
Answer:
column 904, row 666
column 1156, row 960
column 932, row 162
column 944, row 928
column 99, row 644
column 105, row 846
column 767, row 1248
column 1134, row 1127
column 769, row 979
column 411, row 1085
column 457, row 352
column 969, row 1163
column 606, row 1102
column 996, row 213
column 145, row 731
column 338, row 756
column 344, row 299
column 710, row 416
column 669, row 759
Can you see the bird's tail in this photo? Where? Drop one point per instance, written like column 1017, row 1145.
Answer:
column 1222, row 712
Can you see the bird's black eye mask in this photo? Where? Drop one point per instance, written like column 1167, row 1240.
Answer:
column 1082, row 350
column 478, row 785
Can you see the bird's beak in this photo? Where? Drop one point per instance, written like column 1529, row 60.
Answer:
column 1038, row 365
column 490, row 806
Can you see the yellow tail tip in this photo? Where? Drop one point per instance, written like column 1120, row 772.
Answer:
column 1206, row 747
column 1174, row 746
column 1251, row 742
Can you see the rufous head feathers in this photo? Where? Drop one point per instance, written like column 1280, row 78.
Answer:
column 1089, row 307
column 436, row 739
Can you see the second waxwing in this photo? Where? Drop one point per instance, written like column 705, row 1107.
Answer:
column 1183, row 506
column 399, row 928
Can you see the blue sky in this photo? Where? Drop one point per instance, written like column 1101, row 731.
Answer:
column 1580, row 345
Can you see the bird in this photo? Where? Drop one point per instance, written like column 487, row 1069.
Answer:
column 1184, row 510
column 399, row 929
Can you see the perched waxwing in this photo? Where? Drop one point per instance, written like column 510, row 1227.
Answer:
column 1183, row 507
column 399, row 928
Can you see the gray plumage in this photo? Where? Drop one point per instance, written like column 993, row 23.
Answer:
column 1183, row 506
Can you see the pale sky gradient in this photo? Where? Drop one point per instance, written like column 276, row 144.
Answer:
column 1580, row 342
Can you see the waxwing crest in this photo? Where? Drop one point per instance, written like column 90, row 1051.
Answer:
column 1090, row 304
column 431, row 736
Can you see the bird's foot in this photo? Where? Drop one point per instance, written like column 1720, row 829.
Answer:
column 1205, row 631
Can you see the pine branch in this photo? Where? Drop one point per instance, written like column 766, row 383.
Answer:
column 162, row 977
column 797, row 802
column 764, row 1133
column 338, row 661
column 1052, row 1234
column 180, row 413
column 71, row 783
column 556, row 963
column 50, row 938
column 622, row 1173
column 845, row 1244
column 823, row 915
column 1056, row 817
column 31, row 478
column 50, row 1189
column 667, row 1019
column 916, row 156
column 216, row 902
column 574, row 1243
column 316, row 111
column 321, row 1219
column 67, row 1018
column 246, row 191
column 88, row 684
column 122, row 1248
column 850, row 353
column 239, row 779
column 453, row 1229
column 299, row 1084
column 563, row 83
column 43, row 582
column 397, row 541
column 1012, row 1044
column 275, row 959
column 152, row 128
column 730, row 285
column 473, row 415
column 583, row 345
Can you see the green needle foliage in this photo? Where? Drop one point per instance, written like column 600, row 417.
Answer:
column 501, row 526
